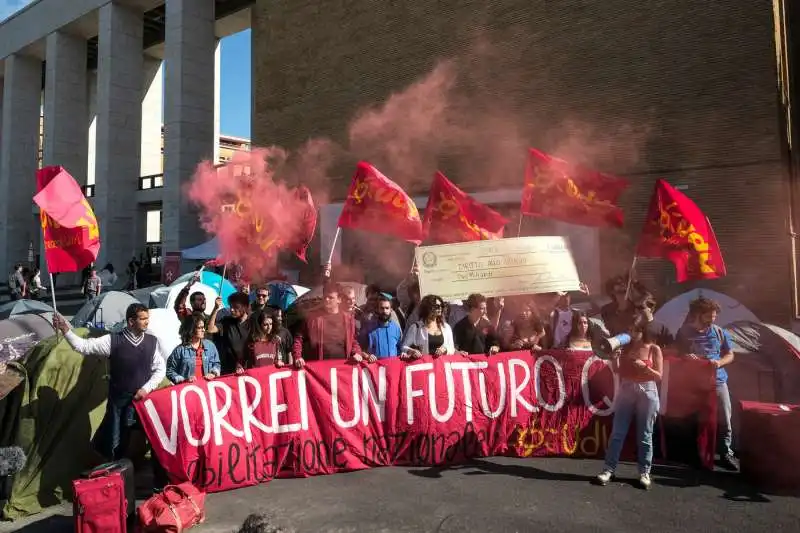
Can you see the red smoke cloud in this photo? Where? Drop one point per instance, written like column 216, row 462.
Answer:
column 252, row 214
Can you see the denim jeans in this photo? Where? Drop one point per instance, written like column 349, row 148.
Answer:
column 642, row 400
column 724, row 428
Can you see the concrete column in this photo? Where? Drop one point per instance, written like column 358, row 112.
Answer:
column 19, row 151
column 91, row 99
column 217, row 93
column 65, row 140
column 152, row 106
column 65, row 105
column 188, row 112
column 118, row 130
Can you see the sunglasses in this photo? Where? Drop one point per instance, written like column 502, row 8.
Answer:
column 262, row 295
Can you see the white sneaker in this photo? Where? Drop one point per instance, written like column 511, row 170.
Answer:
column 604, row 477
column 644, row 481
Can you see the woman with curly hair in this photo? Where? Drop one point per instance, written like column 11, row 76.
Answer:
column 196, row 357
column 529, row 331
column 431, row 334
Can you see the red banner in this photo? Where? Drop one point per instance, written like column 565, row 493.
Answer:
column 334, row 417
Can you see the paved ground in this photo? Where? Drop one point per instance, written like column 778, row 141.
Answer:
column 492, row 495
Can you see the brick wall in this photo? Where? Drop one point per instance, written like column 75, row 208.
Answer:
column 681, row 89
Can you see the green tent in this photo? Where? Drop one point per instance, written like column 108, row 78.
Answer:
column 52, row 416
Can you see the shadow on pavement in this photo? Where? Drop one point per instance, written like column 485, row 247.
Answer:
column 51, row 524
column 478, row 467
column 732, row 485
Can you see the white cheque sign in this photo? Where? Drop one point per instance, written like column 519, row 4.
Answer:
column 504, row 267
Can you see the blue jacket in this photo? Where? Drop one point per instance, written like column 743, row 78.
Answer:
column 180, row 365
column 382, row 339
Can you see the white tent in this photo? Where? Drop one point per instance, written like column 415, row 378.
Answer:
column 673, row 313
column 165, row 326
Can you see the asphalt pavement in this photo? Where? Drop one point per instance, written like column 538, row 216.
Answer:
column 491, row 495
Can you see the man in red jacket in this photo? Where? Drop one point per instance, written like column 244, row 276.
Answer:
column 329, row 334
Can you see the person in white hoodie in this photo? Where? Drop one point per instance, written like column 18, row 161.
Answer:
column 431, row 334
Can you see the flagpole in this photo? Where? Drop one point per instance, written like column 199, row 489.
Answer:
column 630, row 277
column 328, row 265
column 53, row 299
column 519, row 227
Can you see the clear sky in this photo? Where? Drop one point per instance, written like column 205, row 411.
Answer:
column 235, row 74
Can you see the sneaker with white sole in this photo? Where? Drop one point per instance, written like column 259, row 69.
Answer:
column 644, row 481
column 604, row 477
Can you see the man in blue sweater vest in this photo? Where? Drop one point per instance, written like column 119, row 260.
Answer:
column 136, row 368
column 382, row 336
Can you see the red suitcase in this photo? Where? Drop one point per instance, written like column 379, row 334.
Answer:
column 100, row 505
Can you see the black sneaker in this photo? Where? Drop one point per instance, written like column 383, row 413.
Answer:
column 730, row 463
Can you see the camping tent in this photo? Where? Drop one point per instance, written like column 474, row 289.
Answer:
column 165, row 325
column 154, row 297
column 767, row 364
column 21, row 307
column 108, row 308
column 282, row 294
column 202, row 252
column 52, row 417
column 20, row 333
column 673, row 313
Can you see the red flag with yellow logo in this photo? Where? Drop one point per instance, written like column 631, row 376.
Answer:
column 556, row 189
column 677, row 230
column 69, row 227
column 454, row 216
column 377, row 204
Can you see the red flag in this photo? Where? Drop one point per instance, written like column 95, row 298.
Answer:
column 377, row 204
column 308, row 223
column 676, row 229
column 555, row 189
column 69, row 227
column 454, row 216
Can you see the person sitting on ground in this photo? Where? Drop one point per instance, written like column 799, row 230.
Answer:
column 265, row 346
column 196, row 357
column 639, row 366
column 579, row 337
column 430, row 335
column 474, row 334
column 231, row 332
column 329, row 333
column 197, row 301
column 381, row 336
column 701, row 338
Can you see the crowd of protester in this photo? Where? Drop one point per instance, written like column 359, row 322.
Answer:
column 250, row 335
